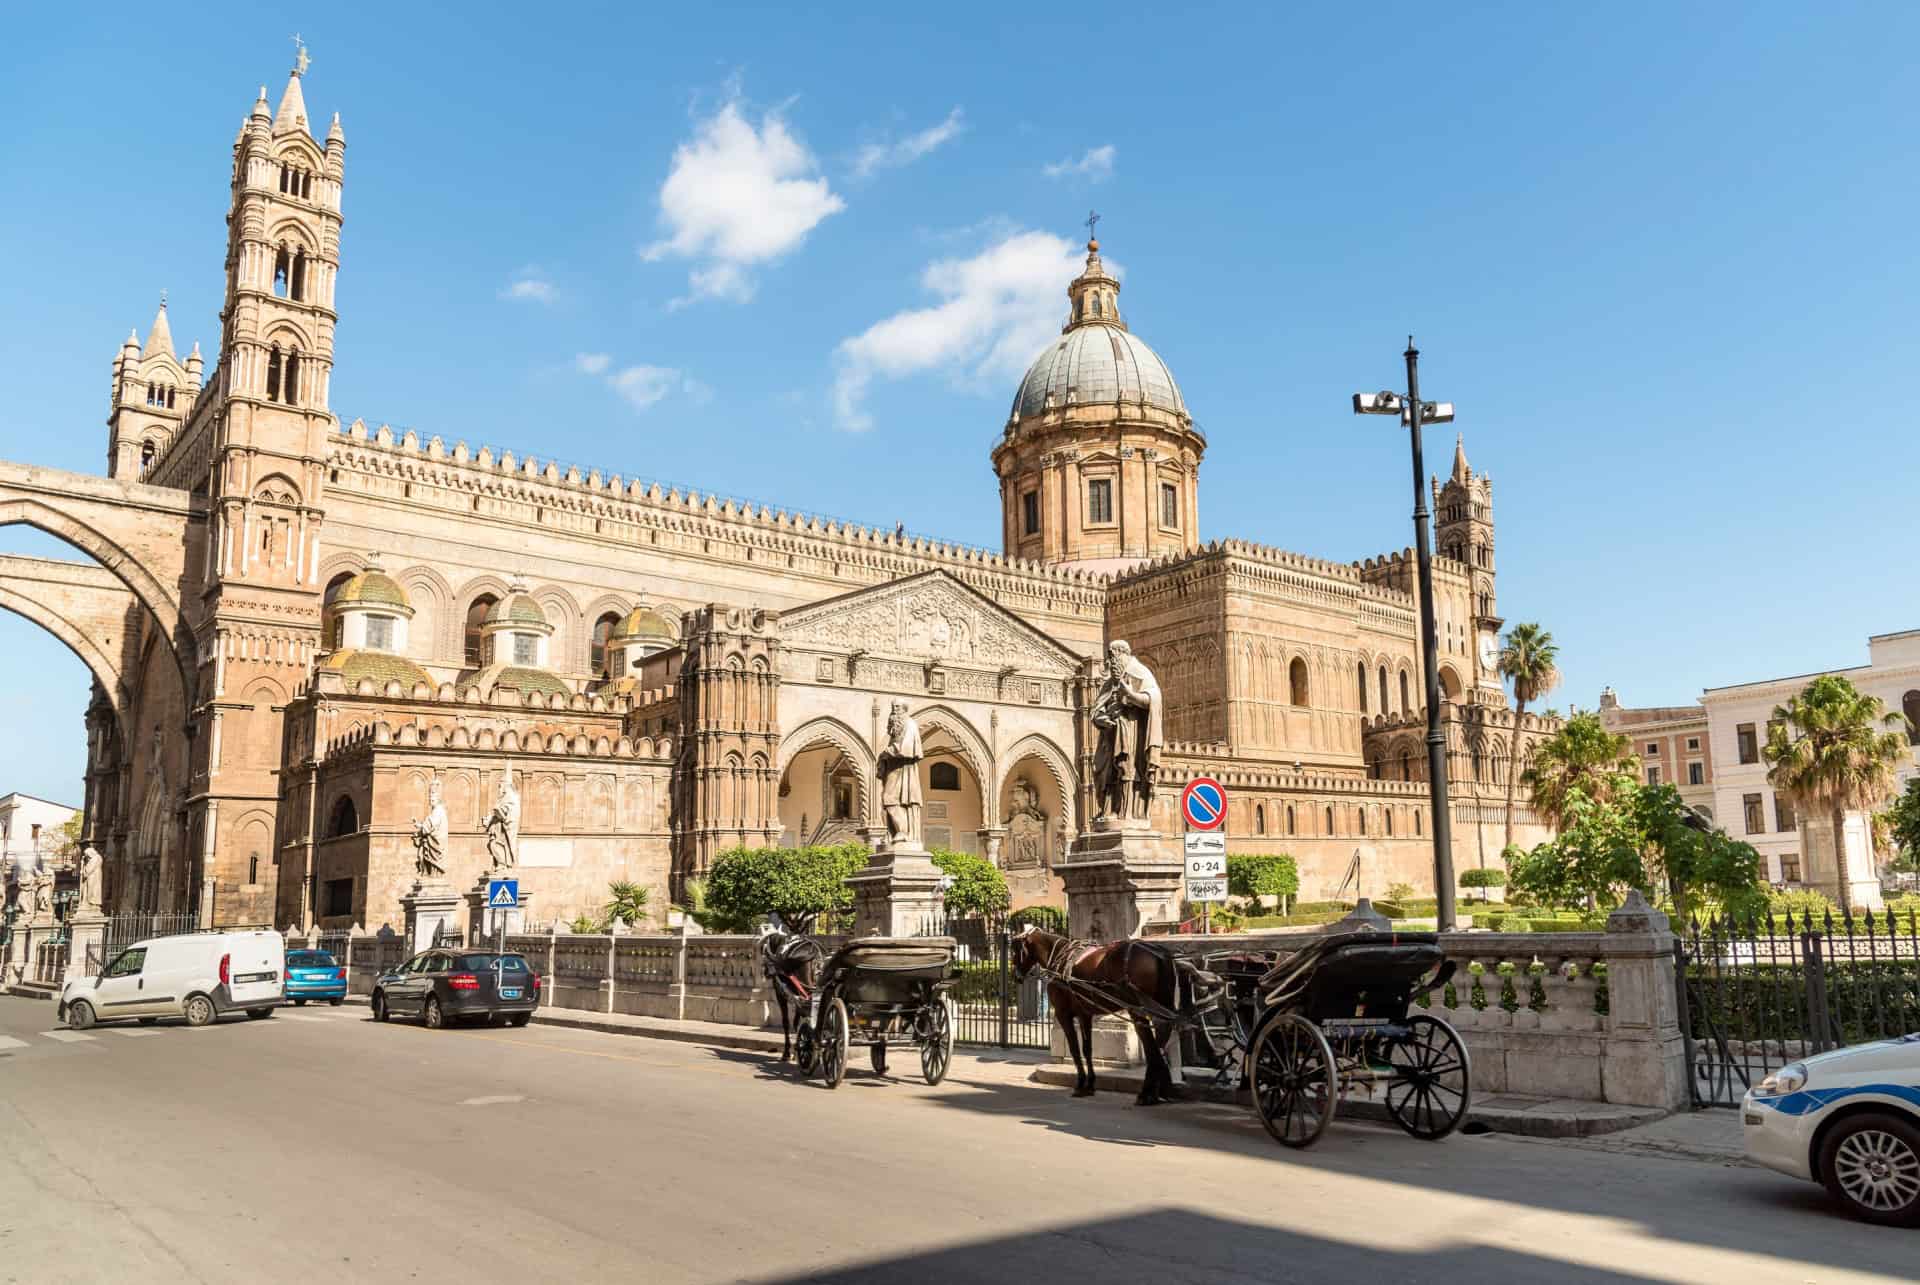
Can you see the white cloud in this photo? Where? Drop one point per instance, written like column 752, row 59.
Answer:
column 642, row 385
column 736, row 197
column 530, row 284
column 1095, row 165
column 998, row 310
column 905, row 151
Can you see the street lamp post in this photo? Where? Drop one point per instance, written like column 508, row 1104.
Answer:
column 1413, row 413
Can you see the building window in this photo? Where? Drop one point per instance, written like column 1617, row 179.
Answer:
column 1416, row 825
column 1329, row 820
column 1389, row 823
column 1259, row 818
column 273, row 374
column 1384, row 707
column 147, row 451
column 1749, row 747
column 526, row 649
column 476, row 616
column 1783, row 818
column 253, row 868
column 1789, row 867
column 943, row 776
column 1030, row 513
column 1910, row 706
column 1653, row 774
column 1169, row 505
column 1290, row 829
column 380, row 633
column 602, row 630
column 1756, row 815
column 1693, row 742
column 339, row 897
column 1100, row 499
column 1653, row 747
column 1297, row 681
column 1696, row 774
column 1362, row 670
column 343, row 820
column 1405, row 704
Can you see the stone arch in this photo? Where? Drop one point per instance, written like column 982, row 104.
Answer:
column 1035, row 746
column 463, row 600
column 827, row 730
column 87, row 609
column 430, row 634
column 598, row 609
column 972, row 748
column 567, row 649
column 1450, row 688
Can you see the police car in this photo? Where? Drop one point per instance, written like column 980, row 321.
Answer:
column 1849, row 1120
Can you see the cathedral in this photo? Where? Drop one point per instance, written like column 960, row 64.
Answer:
column 299, row 630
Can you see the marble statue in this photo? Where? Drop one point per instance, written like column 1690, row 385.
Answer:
column 503, row 825
column 430, row 836
column 1128, row 717
column 900, row 778
column 1026, row 829
column 92, row 866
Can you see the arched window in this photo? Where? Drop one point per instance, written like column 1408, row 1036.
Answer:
column 1329, row 820
column 343, row 819
column 1297, row 680
column 1096, row 305
column 1389, row 823
column 1289, row 818
column 1385, row 707
column 169, row 392
column 282, row 272
column 253, row 868
column 297, row 279
column 329, row 621
column 1363, row 687
column 1476, row 763
column 1405, row 704
column 476, row 613
column 943, row 776
column 291, row 381
column 273, row 374
column 1416, row 825
column 602, row 630
column 147, row 451
column 1910, row 706
column 1360, row 818
column 1406, row 765
column 1259, row 818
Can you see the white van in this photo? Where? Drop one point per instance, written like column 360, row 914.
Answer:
column 198, row 976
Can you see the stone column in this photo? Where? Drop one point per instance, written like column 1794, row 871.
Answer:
column 898, row 894
column 1644, row 1061
column 991, row 839
column 428, row 908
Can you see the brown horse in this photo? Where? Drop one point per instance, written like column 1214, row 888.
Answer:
column 1086, row 981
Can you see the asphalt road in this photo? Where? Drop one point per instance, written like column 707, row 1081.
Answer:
column 320, row 1146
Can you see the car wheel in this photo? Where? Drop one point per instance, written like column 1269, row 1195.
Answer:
column 299, row 1003
column 199, row 1010
column 255, row 1014
column 1871, row 1164
column 521, row 1019
column 79, row 1015
column 336, row 1003
column 380, row 1013
column 435, row 1018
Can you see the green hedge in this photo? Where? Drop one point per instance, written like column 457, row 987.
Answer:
column 1049, row 919
column 1483, row 877
column 1866, row 1000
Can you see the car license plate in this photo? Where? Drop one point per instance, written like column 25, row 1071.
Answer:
column 254, row 977
column 509, row 992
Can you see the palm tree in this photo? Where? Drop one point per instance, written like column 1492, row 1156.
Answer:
column 1833, row 748
column 1582, row 758
column 1526, row 661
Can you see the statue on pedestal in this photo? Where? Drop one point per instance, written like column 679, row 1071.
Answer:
column 503, row 825
column 1127, row 716
column 92, row 873
column 430, row 836
column 899, row 766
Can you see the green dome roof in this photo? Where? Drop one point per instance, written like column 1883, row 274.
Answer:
column 531, row 680
column 517, row 609
column 372, row 588
column 382, row 667
column 643, row 623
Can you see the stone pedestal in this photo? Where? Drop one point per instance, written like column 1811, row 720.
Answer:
column 1644, row 1061
column 483, row 919
column 898, row 894
column 1119, row 880
column 429, row 908
column 87, row 943
column 1823, row 868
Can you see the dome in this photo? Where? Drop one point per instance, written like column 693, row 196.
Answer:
column 379, row 666
column 516, row 609
column 372, row 588
column 1098, row 363
column 644, row 624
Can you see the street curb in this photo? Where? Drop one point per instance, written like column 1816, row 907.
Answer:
column 581, row 1020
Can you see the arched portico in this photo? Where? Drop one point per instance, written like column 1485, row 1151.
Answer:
column 85, row 607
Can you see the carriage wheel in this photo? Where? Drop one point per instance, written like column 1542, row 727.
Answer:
column 1429, row 1093
column 832, row 1056
column 879, row 1052
column 1294, row 1081
column 936, row 1050
column 803, row 1048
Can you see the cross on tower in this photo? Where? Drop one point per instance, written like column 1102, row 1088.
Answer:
column 300, row 62
column 1093, row 217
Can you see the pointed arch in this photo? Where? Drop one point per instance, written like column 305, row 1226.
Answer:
column 1035, row 746
column 830, row 731
column 430, row 634
column 972, row 748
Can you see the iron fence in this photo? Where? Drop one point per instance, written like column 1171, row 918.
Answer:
column 1756, row 994
column 992, row 1006
column 124, row 930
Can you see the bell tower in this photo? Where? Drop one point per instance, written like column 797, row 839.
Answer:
column 1463, row 531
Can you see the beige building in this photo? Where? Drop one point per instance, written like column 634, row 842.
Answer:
column 299, row 626
column 1672, row 743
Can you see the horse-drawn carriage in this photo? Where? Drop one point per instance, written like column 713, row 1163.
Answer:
column 883, row 992
column 1297, row 1029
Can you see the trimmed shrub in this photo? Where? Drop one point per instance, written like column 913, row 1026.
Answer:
column 747, row 883
column 1050, row 919
column 979, row 889
column 1262, row 875
column 1483, row 877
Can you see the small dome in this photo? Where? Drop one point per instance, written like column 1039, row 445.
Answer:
column 1097, row 363
column 516, row 609
column 524, row 680
column 643, row 624
column 380, row 666
column 372, row 588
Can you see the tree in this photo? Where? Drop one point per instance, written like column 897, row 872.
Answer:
column 745, row 884
column 627, row 902
column 1593, row 859
column 1699, row 862
column 1527, row 661
column 978, row 889
column 1483, row 878
column 1262, row 874
column 1833, row 749
column 1582, row 758
column 1903, row 824
column 70, row 836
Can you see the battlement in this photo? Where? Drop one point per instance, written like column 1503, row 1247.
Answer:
column 1354, row 577
column 511, row 741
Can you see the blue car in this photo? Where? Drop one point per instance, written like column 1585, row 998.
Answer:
column 313, row 974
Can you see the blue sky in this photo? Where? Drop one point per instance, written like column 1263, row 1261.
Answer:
column 1661, row 257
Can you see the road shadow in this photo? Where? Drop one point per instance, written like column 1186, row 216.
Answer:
column 1158, row 1246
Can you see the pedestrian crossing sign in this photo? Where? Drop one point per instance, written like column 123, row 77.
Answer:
column 503, row 893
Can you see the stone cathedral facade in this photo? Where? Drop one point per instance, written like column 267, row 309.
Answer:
column 302, row 624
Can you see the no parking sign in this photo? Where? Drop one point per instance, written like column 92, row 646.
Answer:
column 1204, row 804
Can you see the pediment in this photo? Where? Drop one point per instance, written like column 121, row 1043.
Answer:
column 928, row 617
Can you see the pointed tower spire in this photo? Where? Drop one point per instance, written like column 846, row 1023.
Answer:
column 160, row 336
column 293, row 104
column 1460, row 470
